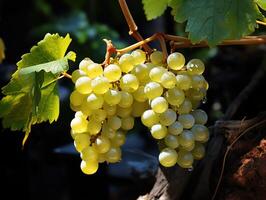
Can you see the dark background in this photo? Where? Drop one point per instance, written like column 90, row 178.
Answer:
column 46, row 170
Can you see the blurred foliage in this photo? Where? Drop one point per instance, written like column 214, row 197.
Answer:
column 2, row 50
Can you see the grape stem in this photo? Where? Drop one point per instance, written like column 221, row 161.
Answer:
column 110, row 49
column 65, row 74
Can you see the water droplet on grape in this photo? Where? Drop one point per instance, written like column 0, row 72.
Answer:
column 204, row 100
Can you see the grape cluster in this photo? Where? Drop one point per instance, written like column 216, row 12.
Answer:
column 165, row 96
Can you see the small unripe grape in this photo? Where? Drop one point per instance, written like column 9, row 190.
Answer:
column 94, row 70
column 139, row 56
column 112, row 72
column 195, row 67
column 127, row 123
column 185, row 159
column 168, row 117
column 199, row 151
column 187, row 120
column 112, row 97
column 156, row 57
column 113, row 155
column 89, row 167
column 201, row 133
column 175, row 96
column 158, row 131
column 126, row 99
column 153, row 90
column 159, row 105
column 171, row 141
column 126, row 63
column 77, row 74
column 129, row 83
column 168, row 157
column 100, row 85
column 176, row 128
column 200, row 116
column 176, row 61
column 102, row 144
column 83, row 85
column 149, row 118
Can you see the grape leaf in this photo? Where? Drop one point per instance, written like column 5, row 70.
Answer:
column 154, row 8
column 32, row 97
column 2, row 50
column 261, row 3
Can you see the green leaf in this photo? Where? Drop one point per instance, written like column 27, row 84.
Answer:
column 261, row 3
column 32, row 94
column 2, row 50
column 154, row 8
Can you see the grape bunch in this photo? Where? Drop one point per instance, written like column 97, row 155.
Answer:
column 166, row 96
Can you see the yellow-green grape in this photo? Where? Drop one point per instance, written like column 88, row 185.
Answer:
column 123, row 112
column 100, row 85
column 142, row 71
column 185, row 107
column 127, row 123
column 119, row 139
column 153, row 90
column 95, row 101
column 159, row 104
column 206, row 85
column 101, row 158
column 176, row 61
column 168, row 117
column 200, row 116
column 76, row 98
column 158, row 131
column 102, row 144
column 98, row 115
column 195, row 104
column 94, row 70
column 80, row 114
column 175, row 96
column 139, row 56
column 73, row 134
column 107, row 131
column 94, row 127
column 168, row 80
column 188, row 148
column 112, row 97
column 114, row 122
column 89, row 154
column 110, row 110
column 198, row 81
column 168, row 157
column 156, row 73
column 89, row 167
column 195, row 95
column 113, row 155
column 195, row 67
column 149, row 118
column 86, row 109
column 176, row 128
column 81, row 141
column 187, row 120
column 126, row 63
column 171, row 141
column 112, row 72
column 156, row 57
column 199, row 151
column 185, row 159
column 129, row 83
column 183, row 81
column 139, row 94
column 126, row 99
column 186, row 138
column 138, row 108
column 83, row 85
column 83, row 65
column 77, row 74
column 201, row 133
column 79, row 125
column 74, row 108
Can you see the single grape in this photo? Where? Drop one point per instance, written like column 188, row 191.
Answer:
column 171, row 141
column 158, row 131
column 156, row 74
column 81, row 142
column 200, row 116
column 149, row 118
column 176, row 128
column 176, row 61
column 95, row 101
column 76, row 98
column 188, row 148
column 127, row 123
column 168, row 117
column 83, row 65
column 186, row 138
column 126, row 99
column 175, row 96
column 199, row 151
column 89, row 167
column 94, row 127
column 79, row 125
column 138, row 108
column 185, row 159
column 159, row 104
column 139, row 56
column 112, row 97
column 195, row 95
column 114, row 122
column 85, row 108
column 139, row 94
column 195, row 67
column 126, row 63
column 168, row 157
column 187, row 120
column 123, row 112
column 80, row 114
column 77, row 74
column 112, row 72
column 83, row 85
column 119, row 139
column 102, row 144
column 129, row 83
column 142, row 71
column 113, row 155
column 100, row 85
column 98, row 115
column 201, row 133
column 153, row 90
column 110, row 110
column 156, row 57
column 89, row 154
column 107, row 131
column 198, row 81
column 168, row 80
column 94, row 70
column 185, row 107
column 183, row 81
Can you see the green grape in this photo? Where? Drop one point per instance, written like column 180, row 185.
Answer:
column 149, row 118
column 139, row 56
column 199, row 151
column 183, row 81
column 175, row 96
column 187, row 120
column 156, row 57
column 80, row 114
column 89, row 154
column 187, row 148
column 153, row 90
column 89, row 167
column 119, row 139
column 112, row 72
column 168, row 157
column 81, row 141
column 138, row 108
column 176, row 61
column 83, row 85
column 185, row 159
column 185, row 107
column 100, row 85
column 74, row 108
column 85, row 108
column 168, row 80
column 94, row 70
column 98, row 115
column 94, row 127
column 141, row 71
column 123, row 112
column 195, row 104
column 201, row 133
column 156, row 74
column 158, row 131
column 198, row 81
column 205, row 85
column 107, row 131
column 83, row 65
column 126, row 63
column 129, row 83
column 195, row 67
column 79, row 125
column 77, row 74
column 186, row 138
column 159, row 104
column 114, row 122
column 95, row 101
column 171, row 141
column 76, row 98
column 195, row 95
column 113, row 155
column 168, row 117
column 101, row 158
column 126, row 99
column 110, row 110
column 102, row 144
column 139, row 94
column 200, row 116
column 176, row 128
column 112, row 97
column 127, row 123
